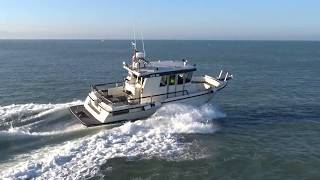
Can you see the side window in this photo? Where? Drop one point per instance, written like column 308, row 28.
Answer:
column 135, row 78
column 188, row 77
column 180, row 78
column 140, row 80
column 172, row 79
column 163, row 81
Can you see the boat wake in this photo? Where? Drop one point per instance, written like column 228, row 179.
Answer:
column 23, row 119
column 160, row 136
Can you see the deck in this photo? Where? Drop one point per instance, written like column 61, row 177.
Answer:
column 84, row 116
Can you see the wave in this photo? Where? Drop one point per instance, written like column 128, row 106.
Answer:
column 158, row 136
column 24, row 114
column 23, row 133
column 23, row 120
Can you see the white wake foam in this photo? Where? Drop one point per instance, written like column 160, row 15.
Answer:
column 29, row 111
column 25, row 112
column 158, row 136
column 23, row 133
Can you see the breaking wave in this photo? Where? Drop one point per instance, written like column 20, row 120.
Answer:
column 23, row 133
column 18, row 121
column 156, row 137
column 24, row 112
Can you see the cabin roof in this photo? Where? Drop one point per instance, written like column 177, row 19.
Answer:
column 161, row 68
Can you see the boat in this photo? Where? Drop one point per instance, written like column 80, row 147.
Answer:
column 148, row 86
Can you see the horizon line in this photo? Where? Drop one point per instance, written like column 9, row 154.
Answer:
column 109, row 39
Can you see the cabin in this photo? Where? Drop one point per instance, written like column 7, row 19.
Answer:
column 155, row 81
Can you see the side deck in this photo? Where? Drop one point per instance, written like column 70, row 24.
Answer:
column 80, row 112
column 84, row 116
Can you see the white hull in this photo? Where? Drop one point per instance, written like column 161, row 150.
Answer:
column 139, row 112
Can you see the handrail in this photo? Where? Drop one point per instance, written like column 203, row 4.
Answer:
column 94, row 86
column 160, row 95
column 102, row 84
column 152, row 96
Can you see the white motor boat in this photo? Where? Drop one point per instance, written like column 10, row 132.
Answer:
column 148, row 86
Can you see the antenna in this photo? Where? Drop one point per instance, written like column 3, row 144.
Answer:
column 134, row 45
column 134, row 36
column 144, row 52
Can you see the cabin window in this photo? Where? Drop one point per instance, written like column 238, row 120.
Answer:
column 140, row 80
column 163, row 81
column 188, row 77
column 180, row 78
column 172, row 79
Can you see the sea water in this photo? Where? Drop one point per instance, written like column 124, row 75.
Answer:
column 264, row 125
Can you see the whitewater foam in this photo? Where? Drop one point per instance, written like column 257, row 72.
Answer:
column 158, row 136
column 31, row 110
column 23, row 133
column 28, row 115
column 17, row 114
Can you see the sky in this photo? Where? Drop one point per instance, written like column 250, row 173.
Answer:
column 161, row 19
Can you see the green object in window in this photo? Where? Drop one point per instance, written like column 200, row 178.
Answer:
column 172, row 80
column 163, row 81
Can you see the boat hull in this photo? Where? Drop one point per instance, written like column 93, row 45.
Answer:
column 87, row 119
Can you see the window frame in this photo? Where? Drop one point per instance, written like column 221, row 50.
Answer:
column 180, row 81
column 188, row 77
column 170, row 79
column 165, row 82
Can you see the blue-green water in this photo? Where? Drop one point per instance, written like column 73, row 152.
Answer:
column 264, row 125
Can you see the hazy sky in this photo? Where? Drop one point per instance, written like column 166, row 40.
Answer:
column 161, row 19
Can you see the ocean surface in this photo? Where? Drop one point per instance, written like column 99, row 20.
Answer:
column 264, row 125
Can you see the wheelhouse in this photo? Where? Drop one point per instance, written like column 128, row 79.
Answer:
column 160, row 80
